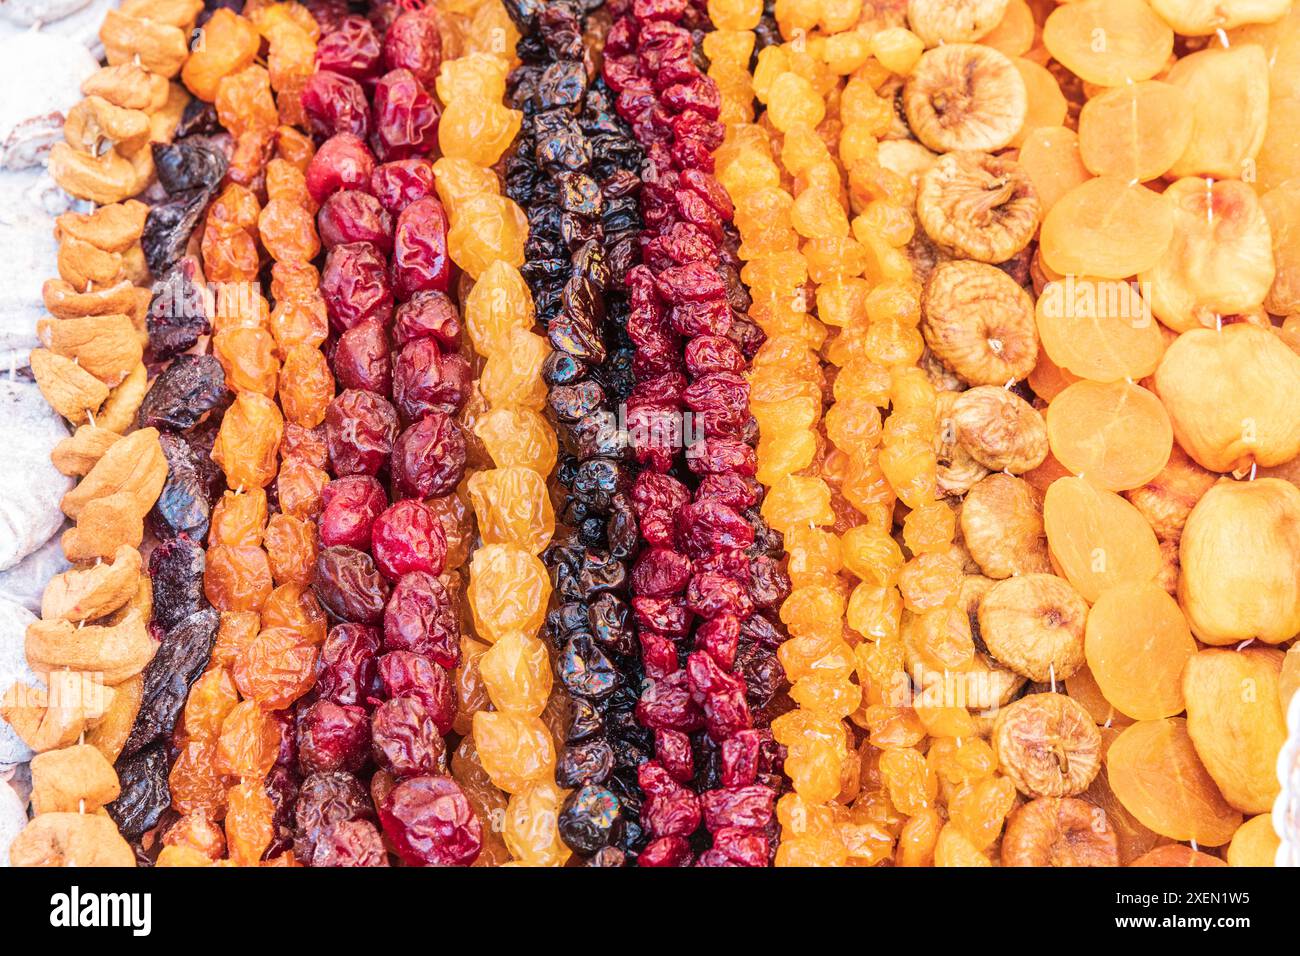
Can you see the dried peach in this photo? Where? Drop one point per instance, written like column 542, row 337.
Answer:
column 1097, row 539
column 1220, row 261
column 1106, row 226
column 1048, row 745
column 1002, row 526
column 1255, row 843
column 1228, row 88
column 1235, row 721
column 1136, row 131
column 1108, row 42
column 1059, row 831
column 1233, row 396
column 979, row 322
column 1137, row 643
column 1098, row 329
column 1033, row 623
column 1240, row 558
column 1155, row 772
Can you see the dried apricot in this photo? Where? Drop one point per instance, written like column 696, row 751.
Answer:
column 1096, row 538
column 1116, row 434
column 1136, row 131
column 1106, row 227
column 1137, row 643
column 1098, row 329
column 1108, row 42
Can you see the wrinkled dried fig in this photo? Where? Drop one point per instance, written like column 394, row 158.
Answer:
column 978, row 206
column 1000, row 429
column 964, row 96
column 956, row 470
column 953, row 21
column 1002, row 525
column 1168, row 498
column 979, row 323
column 1033, row 623
column 1059, row 831
column 1048, row 745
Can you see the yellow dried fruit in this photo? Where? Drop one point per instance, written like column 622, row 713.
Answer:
column 106, row 346
column 70, row 390
column 1048, row 745
column 83, row 594
column 1033, row 623
column 134, row 466
column 963, row 96
column 71, row 839
column 1000, row 429
column 72, row 780
column 1002, row 526
column 1059, row 831
column 116, row 652
column 979, row 322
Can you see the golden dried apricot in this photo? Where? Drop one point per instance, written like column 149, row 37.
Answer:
column 1096, row 538
column 1108, row 42
column 1136, row 131
column 1137, row 643
column 1106, row 227
column 1098, row 329
column 1116, row 434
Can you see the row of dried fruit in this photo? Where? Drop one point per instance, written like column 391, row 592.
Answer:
column 869, row 434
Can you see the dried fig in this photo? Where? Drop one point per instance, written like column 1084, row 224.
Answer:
column 953, row 21
column 1033, row 623
column 962, row 96
column 1059, row 831
column 979, row 323
column 1048, row 745
column 1235, row 720
column 1002, row 525
column 978, row 206
column 1000, row 429
column 956, row 470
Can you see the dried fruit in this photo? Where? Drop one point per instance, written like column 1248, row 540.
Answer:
column 1048, row 745
column 1059, row 831
column 1137, row 643
column 1116, row 434
column 937, row 22
column 1106, row 227
column 979, row 323
column 978, row 206
column 1096, row 538
column 962, row 96
column 1034, row 624
column 1000, row 429
column 1002, row 527
column 1229, row 90
column 1134, row 43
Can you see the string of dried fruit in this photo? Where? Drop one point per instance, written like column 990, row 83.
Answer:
column 573, row 169
column 264, row 655
column 92, row 645
column 710, row 554
column 387, row 236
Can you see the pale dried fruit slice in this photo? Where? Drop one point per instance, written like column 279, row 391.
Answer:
column 1255, row 843
column 977, row 206
column 1137, row 643
column 1168, row 498
column 1117, row 434
column 1106, row 227
column 1033, row 623
column 1134, row 837
column 1240, row 559
column 1108, row 42
column 1220, row 261
column 1098, row 329
column 964, row 96
column 979, row 322
column 1233, row 396
column 1135, row 132
column 953, row 21
column 1229, row 93
column 1000, row 429
column 1002, row 526
column 1050, row 156
column 1048, row 745
column 1059, row 831
column 1096, row 538
column 1045, row 104
column 1282, row 208
column 1154, row 770
column 1195, row 18
column 1235, row 720
column 1015, row 32
column 1279, row 156
column 956, row 471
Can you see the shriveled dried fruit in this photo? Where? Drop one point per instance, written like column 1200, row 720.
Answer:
column 1059, row 831
column 978, row 206
column 954, row 21
column 1000, row 429
column 1155, row 772
column 1033, row 623
column 1002, row 526
column 964, row 96
column 979, row 323
column 1235, row 720
column 1048, row 745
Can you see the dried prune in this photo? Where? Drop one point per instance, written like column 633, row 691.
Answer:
column 176, row 572
column 168, row 226
column 180, row 658
column 183, row 506
column 183, row 166
column 179, row 312
column 183, row 392
column 145, row 794
column 349, row 587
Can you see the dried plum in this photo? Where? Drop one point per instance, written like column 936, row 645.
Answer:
column 185, row 166
column 181, row 657
column 179, row 312
column 145, row 794
column 183, row 507
column 325, row 799
column 183, row 393
column 168, row 226
column 176, row 571
column 198, row 117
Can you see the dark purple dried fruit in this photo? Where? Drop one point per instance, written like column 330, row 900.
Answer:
column 181, row 657
column 183, row 392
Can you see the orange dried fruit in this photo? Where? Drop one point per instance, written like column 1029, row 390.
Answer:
column 1175, row 854
column 1168, row 498
column 1096, row 538
column 1116, row 434
column 1229, row 90
column 1255, row 843
column 1046, row 106
column 1098, row 329
column 1108, row 42
column 1155, row 772
column 1136, row 131
column 1051, row 158
column 1048, row 745
column 1000, row 429
column 1106, row 227
column 1137, row 643
column 1034, row 624
column 1059, row 831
